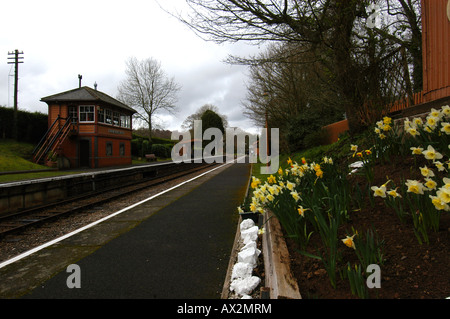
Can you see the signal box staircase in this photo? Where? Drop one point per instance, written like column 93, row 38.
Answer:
column 53, row 139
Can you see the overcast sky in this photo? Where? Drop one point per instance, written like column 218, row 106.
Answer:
column 61, row 39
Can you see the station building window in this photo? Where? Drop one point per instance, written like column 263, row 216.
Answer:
column 108, row 116
column 122, row 149
column 109, row 149
column 125, row 121
column 73, row 114
column 116, row 118
column 101, row 116
column 87, row 113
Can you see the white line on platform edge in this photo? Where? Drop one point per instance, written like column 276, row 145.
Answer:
column 36, row 249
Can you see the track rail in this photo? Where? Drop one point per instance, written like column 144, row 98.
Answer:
column 17, row 222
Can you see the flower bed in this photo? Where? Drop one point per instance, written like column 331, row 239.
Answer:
column 379, row 232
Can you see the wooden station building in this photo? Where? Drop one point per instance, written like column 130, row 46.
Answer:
column 87, row 128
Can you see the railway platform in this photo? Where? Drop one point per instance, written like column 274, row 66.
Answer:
column 175, row 245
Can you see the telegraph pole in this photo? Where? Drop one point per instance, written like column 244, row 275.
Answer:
column 16, row 61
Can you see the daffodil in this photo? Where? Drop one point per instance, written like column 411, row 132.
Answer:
column 271, row 179
column 446, row 181
column 435, row 113
column 445, row 128
column 280, row 171
column 240, row 210
column 354, row 148
column 348, row 241
column 439, row 166
column 387, row 120
column 430, row 184
column 289, row 161
column 444, row 194
column 426, row 172
column 290, row 186
column 295, row 195
column 414, row 187
column 439, row 204
column 445, row 110
column 255, row 182
column 393, row 193
column 413, row 131
column 431, row 154
column 301, row 210
column 417, row 121
column 319, row 173
column 416, row 150
column 432, row 121
column 379, row 191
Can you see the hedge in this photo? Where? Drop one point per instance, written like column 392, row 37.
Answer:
column 31, row 126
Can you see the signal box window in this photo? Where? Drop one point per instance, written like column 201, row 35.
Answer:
column 87, row 113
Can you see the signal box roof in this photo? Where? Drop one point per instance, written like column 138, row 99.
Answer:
column 85, row 94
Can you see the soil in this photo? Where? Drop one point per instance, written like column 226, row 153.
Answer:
column 410, row 270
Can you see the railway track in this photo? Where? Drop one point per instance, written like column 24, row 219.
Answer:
column 20, row 221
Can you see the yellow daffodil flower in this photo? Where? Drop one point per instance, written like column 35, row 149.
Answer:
column 445, row 110
column 414, row 187
column 295, row 195
column 290, row 185
column 393, row 193
column 418, row 121
column 426, row 172
column 319, row 173
column 439, row 166
column 439, row 204
column 431, row 154
column 445, row 128
column 444, row 194
column 387, row 120
column 379, row 191
column 416, row 150
column 413, row 131
column 348, row 241
column 301, row 211
column 255, row 182
column 430, row 184
column 271, row 179
column 280, row 171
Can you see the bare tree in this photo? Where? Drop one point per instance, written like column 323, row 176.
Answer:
column 148, row 89
column 334, row 30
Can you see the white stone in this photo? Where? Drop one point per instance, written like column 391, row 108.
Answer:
column 250, row 234
column 249, row 255
column 246, row 224
column 245, row 286
column 241, row 270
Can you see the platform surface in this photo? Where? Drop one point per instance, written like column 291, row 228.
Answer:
column 175, row 246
